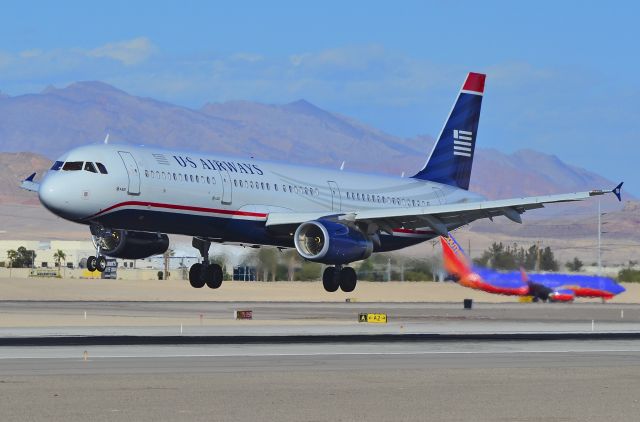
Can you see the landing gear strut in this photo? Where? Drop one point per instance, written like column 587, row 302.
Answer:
column 343, row 277
column 97, row 262
column 205, row 272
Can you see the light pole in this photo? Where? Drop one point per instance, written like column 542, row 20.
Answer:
column 600, row 223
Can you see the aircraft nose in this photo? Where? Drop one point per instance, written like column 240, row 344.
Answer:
column 51, row 196
column 55, row 195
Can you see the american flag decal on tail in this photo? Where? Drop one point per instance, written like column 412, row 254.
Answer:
column 462, row 142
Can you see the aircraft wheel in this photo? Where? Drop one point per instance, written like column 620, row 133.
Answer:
column 330, row 280
column 195, row 276
column 213, row 276
column 101, row 264
column 91, row 263
column 348, row 279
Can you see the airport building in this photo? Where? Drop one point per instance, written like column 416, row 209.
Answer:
column 76, row 253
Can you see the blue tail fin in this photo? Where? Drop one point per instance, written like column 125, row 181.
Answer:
column 452, row 156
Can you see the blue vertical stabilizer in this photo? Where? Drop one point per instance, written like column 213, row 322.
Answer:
column 452, row 156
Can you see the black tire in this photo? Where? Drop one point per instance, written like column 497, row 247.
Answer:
column 91, row 263
column 329, row 279
column 101, row 264
column 195, row 276
column 213, row 276
column 348, row 279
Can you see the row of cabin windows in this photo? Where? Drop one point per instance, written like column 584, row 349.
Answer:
column 179, row 177
column 381, row 199
column 250, row 184
column 247, row 184
column 79, row 165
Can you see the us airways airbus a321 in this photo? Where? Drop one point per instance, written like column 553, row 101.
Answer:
column 131, row 197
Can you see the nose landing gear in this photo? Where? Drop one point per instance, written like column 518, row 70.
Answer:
column 205, row 272
column 97, row 262
column 336, row 277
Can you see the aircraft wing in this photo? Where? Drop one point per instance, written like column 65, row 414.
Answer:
column 441, row 218
column 29, row 184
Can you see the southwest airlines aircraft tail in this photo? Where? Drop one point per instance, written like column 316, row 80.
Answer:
column 132, row 197
column 545, row 286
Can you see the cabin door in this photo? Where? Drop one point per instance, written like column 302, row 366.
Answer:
column 336, row 202
column 132, row 172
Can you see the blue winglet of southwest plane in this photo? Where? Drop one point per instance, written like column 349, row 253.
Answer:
column 452, row 156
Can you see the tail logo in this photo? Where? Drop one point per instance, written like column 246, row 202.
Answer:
column 462, row 142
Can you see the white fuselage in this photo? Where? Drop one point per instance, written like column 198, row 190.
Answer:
column 222, row 198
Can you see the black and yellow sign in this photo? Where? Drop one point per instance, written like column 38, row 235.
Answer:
column 373, row 318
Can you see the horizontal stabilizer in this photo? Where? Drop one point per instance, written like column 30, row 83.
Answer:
column 29, row 184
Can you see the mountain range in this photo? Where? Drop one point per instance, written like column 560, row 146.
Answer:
column 56, row 120
column 49, row 123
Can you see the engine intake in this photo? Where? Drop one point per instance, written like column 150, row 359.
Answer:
column 133, row 245
column 331, row 243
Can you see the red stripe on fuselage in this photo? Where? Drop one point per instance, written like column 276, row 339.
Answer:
column 589, row 292
column 180, row 207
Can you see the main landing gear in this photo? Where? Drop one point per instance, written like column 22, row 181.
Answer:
column 205, row 272
column 343, row 277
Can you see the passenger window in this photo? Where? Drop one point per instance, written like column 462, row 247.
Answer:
column 208, row 180
column 175, row 177
column 275, row 187
column 72, row 166
column 102, row 168
column 268, row 186
column 262, row 185
column 57, row 165
column 146, row 173
column 197, row 179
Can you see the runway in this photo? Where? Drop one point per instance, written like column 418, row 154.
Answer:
column 563, row 381
column 463, row 378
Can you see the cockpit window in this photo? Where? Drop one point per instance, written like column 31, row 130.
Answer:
column 57, row 165
column 88, row 166
column 102, row 168
column 72, row 165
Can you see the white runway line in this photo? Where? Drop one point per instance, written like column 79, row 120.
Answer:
column 319, row 354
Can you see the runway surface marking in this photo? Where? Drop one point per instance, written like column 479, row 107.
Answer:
column 321, row 354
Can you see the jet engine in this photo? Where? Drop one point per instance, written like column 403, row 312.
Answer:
column 132, row 245
column 563, row 295
column 332, row 243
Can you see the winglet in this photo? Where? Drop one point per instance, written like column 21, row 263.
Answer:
column 617, row 191
column 30, row 178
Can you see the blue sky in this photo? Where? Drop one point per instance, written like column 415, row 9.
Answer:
column 562, row 76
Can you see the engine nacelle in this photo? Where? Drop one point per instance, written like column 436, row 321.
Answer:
column 133, row 245
column 563, row 295
column 331, row 243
